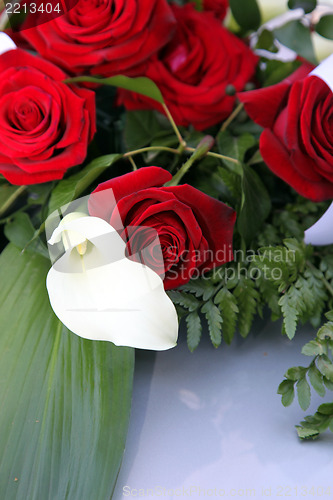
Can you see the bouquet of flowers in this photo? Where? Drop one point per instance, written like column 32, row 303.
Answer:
column 162, row 163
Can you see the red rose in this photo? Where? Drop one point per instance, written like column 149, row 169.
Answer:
column 297, row 143
column 217, row 7
column 195, row 231
column 106, row 38
column 45, row 125
column 194, row 69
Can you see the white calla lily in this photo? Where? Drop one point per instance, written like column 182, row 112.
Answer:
column 99, row 294
column 6, row 43
column 321, row 233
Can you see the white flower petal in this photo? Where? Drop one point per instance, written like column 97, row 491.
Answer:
column 325, row 71
column 6, row 43
column 102, row 295
column 321, row 233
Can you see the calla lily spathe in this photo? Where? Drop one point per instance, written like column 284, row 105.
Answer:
column 99, row 294
column 6, row 43
column 321, row 233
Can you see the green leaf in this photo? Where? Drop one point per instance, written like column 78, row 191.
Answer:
column 184, row 299
column 329, row 315
column 286, row 389
column 253, row 213
column 326, row 409
column 305, row 433
column 214, row 321
column 246, row 13
column 65, row 400
column 326, row 331
column 316, row 380
column 303, row 393
column 324, row 27
column 19, row 231
column 140, row 129
column 194, row 329
column 140, row 85
column 290, row 315
column 325, row 367
column 313, row 348
column 234, row 147
column 295, row 373
column 69, row 189
column 298, row 38
column 306, row 5
column 247, row 297
column 227, row 304
column 7, row 194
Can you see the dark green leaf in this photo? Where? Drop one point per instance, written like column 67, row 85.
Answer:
column 325, row 26
column 227, row 304
column 297, row 37
column 184, row 299
column 306, row 5
column 246, row 13
column 194, row 329
column 140, row 85
column 7, row 192
column 20, row 231
column 303, row 393
column 234, row 147
column 256, row 204
column 65, row 400
column 140, row 128
column 69, row 189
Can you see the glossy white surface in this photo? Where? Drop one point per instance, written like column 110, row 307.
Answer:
column 210, row 424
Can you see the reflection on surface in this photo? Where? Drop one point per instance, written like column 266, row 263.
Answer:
column 212, row 420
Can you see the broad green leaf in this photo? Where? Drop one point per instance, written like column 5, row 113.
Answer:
column 194, row 329
column 140, row 128
column 256, row 204
column 303, row 393
column 19, row 231
column 246, row 13
column 306, row 5
column 234, row 147
column 140, row 85
column 297, row 37
column 69, row 189
column 329, row 315
column 65, row 400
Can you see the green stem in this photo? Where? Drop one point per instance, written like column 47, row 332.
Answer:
column 12, row 199
column 323, row 279
column 182, row 171
column 150, row 148
column 233, row 115
column 216, row 155
column 174, row 126
column 132, row 163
